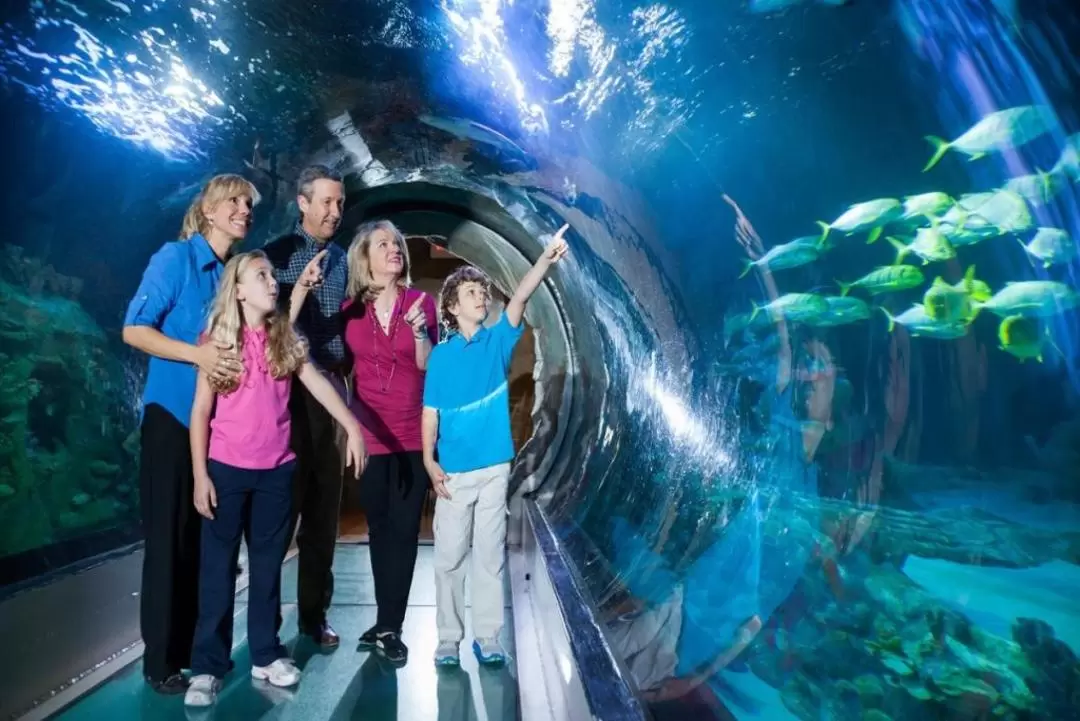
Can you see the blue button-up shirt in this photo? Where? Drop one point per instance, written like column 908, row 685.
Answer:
column 175, row 296
column 320, row 318
column 467, row 383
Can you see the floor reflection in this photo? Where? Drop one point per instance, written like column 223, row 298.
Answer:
column 342, row 685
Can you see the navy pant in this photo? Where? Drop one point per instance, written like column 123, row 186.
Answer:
column 260, row 504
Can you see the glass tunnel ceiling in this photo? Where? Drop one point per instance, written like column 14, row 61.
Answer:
column 383, row 95
column 924, row 560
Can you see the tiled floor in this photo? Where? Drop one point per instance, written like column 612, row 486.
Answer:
column 339, row 685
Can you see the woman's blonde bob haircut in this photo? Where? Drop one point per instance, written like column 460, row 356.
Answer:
column 361, row 284
column 286, row 351
column 217, row 190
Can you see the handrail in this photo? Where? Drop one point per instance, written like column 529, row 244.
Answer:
column 611, row 697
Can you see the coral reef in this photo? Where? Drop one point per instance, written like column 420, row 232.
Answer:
column 892, row 650
column 858, row 638
column 65, row 413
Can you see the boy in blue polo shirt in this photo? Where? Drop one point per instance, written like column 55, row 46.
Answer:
column 467, row 413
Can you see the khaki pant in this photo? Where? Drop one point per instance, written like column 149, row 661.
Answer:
column 476, row 514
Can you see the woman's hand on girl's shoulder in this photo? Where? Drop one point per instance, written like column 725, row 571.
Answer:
column 218, row 360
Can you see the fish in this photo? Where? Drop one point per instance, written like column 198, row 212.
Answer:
column 761, row 347
column 970, row 230
column 814, row 241
column 930, row 244
column 841, row 311
column 742, row 323
column 1051, row 246
column 976, row 289
column 926, row 205
column 786, row 255
column 1068, row 163
column 885, row 279
column 980, row 216
column 1039, row 187
column 1000, row 130
column 1030, row 298
column 950, row 303
column 872, row 215
column 738, row 322
column 183, row 194
column 1004, row 209
column 1022, row 337
column 794, row 307
column 919, row 323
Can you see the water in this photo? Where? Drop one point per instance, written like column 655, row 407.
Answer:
column 818, row 518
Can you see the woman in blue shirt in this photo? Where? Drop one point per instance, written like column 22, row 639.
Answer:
column 164, row 320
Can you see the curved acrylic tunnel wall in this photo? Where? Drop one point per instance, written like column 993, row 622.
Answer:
column 841, row 483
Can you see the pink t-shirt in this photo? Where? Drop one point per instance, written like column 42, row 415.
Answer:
column 250, row 426
column 389, row 386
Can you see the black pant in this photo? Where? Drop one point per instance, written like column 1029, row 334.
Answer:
column 258, row 504
column 170, row 574
column 392, row 491
column 317, row 501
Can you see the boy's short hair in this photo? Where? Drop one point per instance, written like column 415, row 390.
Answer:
column 448, row 294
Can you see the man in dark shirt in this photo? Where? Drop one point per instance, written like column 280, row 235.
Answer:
column 315, row 435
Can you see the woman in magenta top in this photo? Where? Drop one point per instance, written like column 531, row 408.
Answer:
column 390, row 329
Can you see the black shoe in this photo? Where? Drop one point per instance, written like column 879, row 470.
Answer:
column 368, row 639
column 171, row 685
column 323, row 634
column 390, row 647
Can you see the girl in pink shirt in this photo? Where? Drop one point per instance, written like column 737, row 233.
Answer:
column 243, row 468
column 390, row 329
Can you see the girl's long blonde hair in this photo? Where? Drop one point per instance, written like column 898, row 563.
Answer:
column 286, row 350
column 217, row 189
column 361, row 285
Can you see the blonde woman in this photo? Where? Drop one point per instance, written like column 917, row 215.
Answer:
column 163, row 320
column 390, row 329
column 243, row 467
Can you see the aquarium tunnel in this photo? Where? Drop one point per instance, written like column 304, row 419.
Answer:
column 795, row 420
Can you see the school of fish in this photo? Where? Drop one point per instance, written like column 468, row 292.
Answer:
column 933, row 227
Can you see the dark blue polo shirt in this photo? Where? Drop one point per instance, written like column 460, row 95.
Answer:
column 468, row 383
column 175, row 296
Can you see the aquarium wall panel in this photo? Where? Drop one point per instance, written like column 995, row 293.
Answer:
column 69, row 445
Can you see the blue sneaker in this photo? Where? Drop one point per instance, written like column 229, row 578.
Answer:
column 489, row 651
column 446, row 654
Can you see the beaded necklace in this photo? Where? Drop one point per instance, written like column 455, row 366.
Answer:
column 389, row 333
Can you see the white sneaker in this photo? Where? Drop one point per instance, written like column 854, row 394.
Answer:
column 282, row 673
column 446, row 654
column 202, row 691
column 489, row 651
